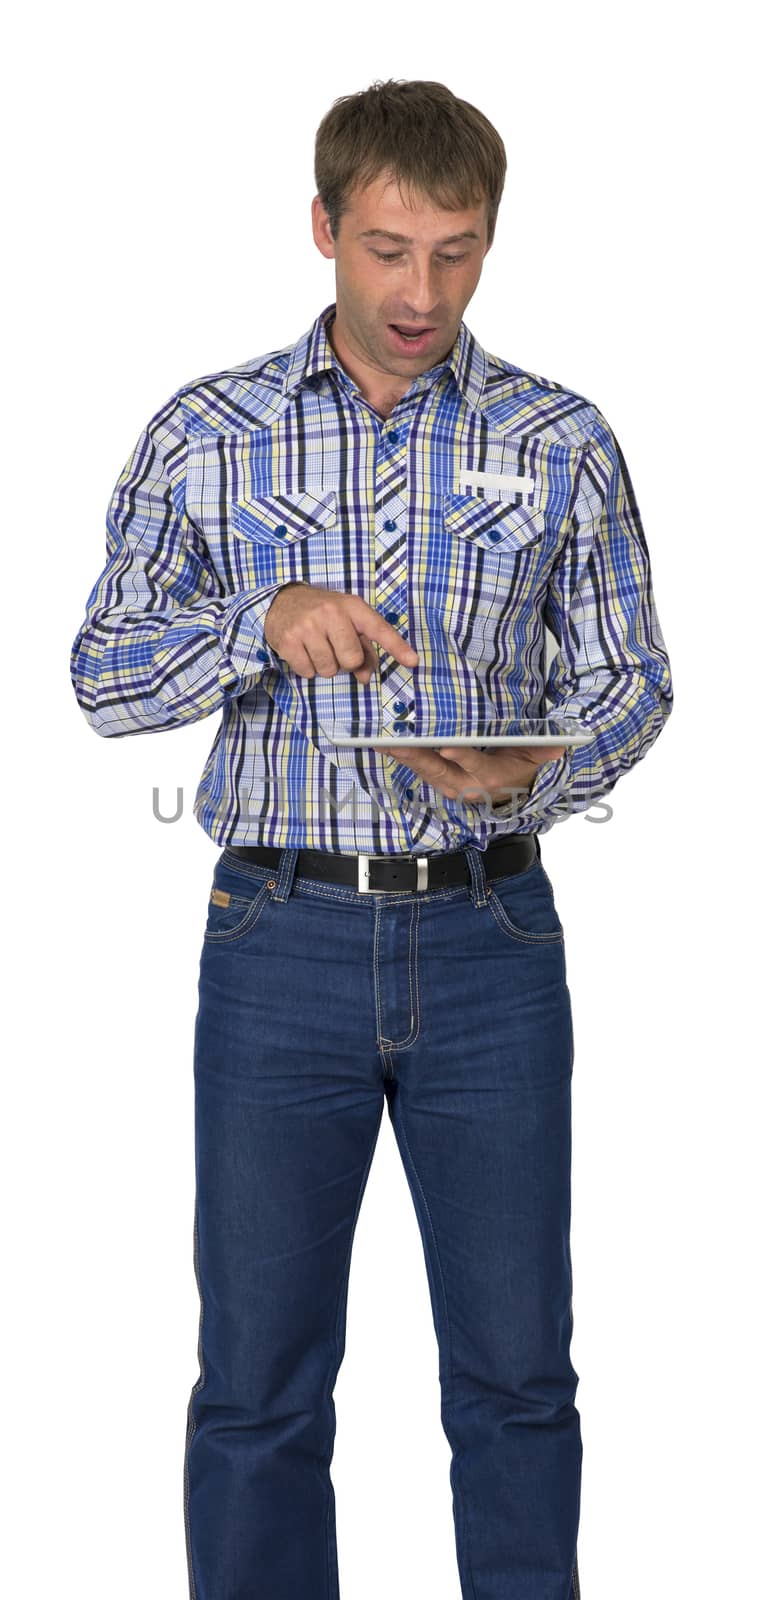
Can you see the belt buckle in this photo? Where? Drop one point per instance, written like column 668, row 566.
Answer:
column 364, row 863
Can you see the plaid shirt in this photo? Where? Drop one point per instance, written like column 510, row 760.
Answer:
column 490, row 505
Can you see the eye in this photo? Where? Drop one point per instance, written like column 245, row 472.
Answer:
column 449, row 260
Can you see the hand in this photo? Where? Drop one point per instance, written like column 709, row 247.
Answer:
column 462, row 772
column 324, row 631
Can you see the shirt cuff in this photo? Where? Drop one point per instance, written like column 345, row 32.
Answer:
column 246, row 652
column 551, row 783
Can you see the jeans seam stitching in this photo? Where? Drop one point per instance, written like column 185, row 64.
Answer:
column 449, row 1364
column 191, row 1422
column 413, row 986
column 248, row 921
column 503, row 921
column 340, row 1301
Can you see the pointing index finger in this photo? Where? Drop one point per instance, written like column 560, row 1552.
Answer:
column 382, row 632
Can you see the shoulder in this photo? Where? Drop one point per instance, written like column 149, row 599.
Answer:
column 517, row 400
column 226, row 400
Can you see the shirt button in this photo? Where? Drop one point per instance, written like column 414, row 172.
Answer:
column 390, row 527
column 409, row 793
column 393, row 436
column 281, row 531
column 391, row 616
column 401, row 708
column 400, row 727
column 262, row 655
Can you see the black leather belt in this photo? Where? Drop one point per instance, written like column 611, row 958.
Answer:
column 386, row 874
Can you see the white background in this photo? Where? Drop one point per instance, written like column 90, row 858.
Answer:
column 160, row 166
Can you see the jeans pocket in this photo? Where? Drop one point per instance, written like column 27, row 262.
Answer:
column 523, row 906
column 231, row 916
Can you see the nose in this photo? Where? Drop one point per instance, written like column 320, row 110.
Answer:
column 420, row 290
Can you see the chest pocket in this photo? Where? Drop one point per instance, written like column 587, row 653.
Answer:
column 283, row 537
column 494, row 550
column 494, row 526
column 493, row 559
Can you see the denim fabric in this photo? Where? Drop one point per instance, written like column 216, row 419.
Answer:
column 317, row 1004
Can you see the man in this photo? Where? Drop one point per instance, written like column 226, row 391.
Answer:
column 362, row 530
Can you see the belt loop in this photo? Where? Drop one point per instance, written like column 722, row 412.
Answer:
column 478, row 881
column 285, row 873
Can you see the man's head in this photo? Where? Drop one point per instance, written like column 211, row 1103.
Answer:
column 405, row 159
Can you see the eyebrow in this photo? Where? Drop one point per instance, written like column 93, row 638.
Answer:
column 402, row 238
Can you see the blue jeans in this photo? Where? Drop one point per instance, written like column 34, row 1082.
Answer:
column 317, row 1003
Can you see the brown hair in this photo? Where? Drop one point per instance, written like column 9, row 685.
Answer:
column 422, row 135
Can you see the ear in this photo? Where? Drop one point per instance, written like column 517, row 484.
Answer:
column 322, row 233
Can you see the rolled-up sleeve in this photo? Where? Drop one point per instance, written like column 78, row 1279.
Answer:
column 611, row 668
column 161, row 644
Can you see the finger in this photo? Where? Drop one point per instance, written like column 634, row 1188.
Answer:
column 320, row 650
column 420, row 760
column 543, row 752
column 370, row 657
column 382, row 631
column 464, row 758
column 299, row 660
column 368, row 665
column 461, row 754
column 469, row 756
column 352, row 650
column 368, row 649
column 491, row 773
column 427, row 764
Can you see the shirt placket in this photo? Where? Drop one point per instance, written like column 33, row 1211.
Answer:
column 391, row 574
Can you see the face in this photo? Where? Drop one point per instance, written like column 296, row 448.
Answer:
column 424, row 280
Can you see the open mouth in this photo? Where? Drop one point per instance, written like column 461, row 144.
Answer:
column 414, row 338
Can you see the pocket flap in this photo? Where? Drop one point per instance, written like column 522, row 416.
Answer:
column 496, row 525
column 282, row 519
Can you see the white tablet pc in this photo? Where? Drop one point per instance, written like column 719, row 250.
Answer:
column 565, row 731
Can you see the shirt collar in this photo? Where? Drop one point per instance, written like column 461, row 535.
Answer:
column 313, row 354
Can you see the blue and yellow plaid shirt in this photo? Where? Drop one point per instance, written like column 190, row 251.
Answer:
column 490, row 506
